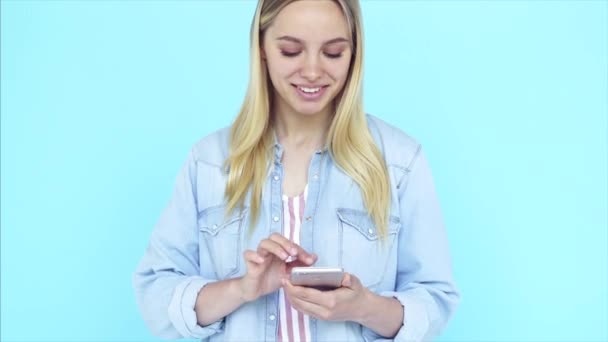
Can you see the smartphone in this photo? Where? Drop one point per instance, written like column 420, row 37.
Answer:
column 321, row 278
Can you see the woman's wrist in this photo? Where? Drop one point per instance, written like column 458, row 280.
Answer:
column 368, row 302
column 383, row 315
column 240, row 287
column 218, row 299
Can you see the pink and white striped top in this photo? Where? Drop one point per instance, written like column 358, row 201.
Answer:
column 293, row 325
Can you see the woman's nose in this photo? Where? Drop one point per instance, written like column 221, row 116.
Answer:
column 311, row 70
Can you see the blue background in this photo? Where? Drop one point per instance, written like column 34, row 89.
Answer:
column 102, row 100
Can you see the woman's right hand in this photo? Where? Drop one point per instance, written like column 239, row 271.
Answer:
column 268, row 265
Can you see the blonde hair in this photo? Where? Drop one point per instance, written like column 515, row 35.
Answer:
column 350, row 143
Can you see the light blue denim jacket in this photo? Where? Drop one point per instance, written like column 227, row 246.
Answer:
column 193, row 244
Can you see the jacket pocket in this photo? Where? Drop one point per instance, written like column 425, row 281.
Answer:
column 363, row 253
column 221, row 236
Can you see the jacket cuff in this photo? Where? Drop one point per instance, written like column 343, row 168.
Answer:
column 181, row 310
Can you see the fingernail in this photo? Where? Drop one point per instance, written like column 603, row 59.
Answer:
column 293, row 251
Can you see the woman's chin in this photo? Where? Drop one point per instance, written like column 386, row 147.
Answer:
column 309, row 110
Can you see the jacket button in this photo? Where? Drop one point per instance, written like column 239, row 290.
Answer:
column 272, row 317
column 275, row 219
column 276, row 178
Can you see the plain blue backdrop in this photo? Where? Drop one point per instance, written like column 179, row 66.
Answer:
column 101, row 101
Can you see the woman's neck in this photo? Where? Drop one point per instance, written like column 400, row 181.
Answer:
column 302, row 132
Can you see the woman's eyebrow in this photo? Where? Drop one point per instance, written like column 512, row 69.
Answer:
column 299, row 41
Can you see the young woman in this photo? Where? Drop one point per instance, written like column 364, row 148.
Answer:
column 303, row 177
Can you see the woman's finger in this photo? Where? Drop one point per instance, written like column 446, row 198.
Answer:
column 304, row 305
column 351, row 281
column 290, row 247
column 253, row 257
column 293, row 249
column 309, row 294
column 301, row 263
column 268, row 246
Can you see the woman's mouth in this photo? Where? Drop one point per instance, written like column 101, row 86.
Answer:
column 310, row 93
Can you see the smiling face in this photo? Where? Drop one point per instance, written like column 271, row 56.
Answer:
column 307, row 50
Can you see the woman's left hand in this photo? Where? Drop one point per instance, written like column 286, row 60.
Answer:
column 343, row 304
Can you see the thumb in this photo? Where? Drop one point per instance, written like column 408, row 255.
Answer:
column 346, row 280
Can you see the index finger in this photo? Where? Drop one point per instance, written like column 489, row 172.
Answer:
column 293, row 248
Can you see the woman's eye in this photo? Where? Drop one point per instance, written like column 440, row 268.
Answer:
column 328, row 55
column 333, row 55
column 290, row 54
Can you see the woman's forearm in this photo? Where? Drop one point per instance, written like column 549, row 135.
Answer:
column 218, row 299
column 384, row 315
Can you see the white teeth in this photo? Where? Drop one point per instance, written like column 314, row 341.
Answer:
column 310, row 90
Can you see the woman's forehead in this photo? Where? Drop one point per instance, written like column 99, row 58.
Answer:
column 314, row 22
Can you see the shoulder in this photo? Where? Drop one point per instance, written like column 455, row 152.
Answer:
column 398, row 148
column 212, row 149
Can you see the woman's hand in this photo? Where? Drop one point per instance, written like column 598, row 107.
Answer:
column 269, row 264
column 346, row 303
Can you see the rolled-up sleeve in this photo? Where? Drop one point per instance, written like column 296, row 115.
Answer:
column 167, row 279
column 424, row 285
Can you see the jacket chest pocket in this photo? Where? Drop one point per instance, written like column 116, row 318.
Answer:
column 220, row 236
column 363, row 253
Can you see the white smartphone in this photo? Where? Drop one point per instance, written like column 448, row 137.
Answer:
column 321, row 278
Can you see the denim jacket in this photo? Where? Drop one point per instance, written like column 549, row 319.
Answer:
column 193, row 244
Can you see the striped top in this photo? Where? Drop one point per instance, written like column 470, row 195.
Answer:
column 293, row 325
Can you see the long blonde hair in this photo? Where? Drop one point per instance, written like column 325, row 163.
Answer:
column 350, row 143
